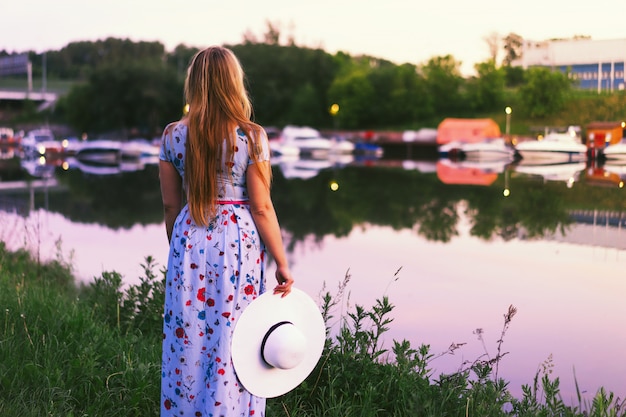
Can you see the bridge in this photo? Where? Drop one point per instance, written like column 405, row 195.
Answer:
column 46, row 98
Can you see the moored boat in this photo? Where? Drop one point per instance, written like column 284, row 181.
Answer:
column 41, row 142
column 615, row 151
column 553, row 148
column 138, row 149
column 491, row 149
column 309, row 141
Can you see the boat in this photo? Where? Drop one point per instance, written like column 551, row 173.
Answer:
column 450, row 150
column 491, row 149
column 278, row 148
column 368, row 150
column 616, row 151
column 139, row 149
column 7, row 136
column 309, row 141
column 341, row 146
column 103, row 151
column 41, row 142
column 555, row 147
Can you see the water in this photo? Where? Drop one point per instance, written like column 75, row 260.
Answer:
column 451, row 257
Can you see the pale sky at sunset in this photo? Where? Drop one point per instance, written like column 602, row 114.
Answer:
column 398, row 30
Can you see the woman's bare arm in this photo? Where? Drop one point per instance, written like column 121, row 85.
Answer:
column 264, row 216
column 171, row 194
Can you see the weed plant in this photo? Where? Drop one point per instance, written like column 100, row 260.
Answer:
column 94, row 350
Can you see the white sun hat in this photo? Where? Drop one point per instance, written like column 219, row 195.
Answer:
column 277, row 341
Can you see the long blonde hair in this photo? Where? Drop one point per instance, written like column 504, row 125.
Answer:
column 218, row 102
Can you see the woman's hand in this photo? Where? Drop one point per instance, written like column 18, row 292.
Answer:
column 285, row 281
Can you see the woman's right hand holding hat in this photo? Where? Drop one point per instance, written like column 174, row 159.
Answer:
column 284, row 279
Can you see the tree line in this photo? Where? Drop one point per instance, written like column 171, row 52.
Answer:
column 121, row 85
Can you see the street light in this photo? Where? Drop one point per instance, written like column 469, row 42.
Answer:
column 508, row 112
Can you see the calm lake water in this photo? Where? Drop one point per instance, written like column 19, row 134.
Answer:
column 440, row 239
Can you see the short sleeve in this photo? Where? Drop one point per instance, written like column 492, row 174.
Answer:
column 166, row 138
column 173, row 145
column 261, row 148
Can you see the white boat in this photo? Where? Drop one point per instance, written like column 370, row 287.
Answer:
column 278, row 148
column 41, row 142
column 616, row 152
column 103, row 151
column 309, row 141
column 341, row 146
column 138, row 149
column 553, row 148
column 492, row 149
column 450, row 150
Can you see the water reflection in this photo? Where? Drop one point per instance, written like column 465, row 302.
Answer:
column 554, row 248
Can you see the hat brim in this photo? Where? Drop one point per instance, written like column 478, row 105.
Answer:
column 254, row 373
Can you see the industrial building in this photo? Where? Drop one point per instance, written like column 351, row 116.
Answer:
column 593, row 64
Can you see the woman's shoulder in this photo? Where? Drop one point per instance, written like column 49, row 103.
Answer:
column 252, row 131
column 176, row 127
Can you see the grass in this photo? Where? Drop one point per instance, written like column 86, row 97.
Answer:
column 94, row 350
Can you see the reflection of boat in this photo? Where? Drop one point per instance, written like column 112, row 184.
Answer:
column 41, row 142
column 93, row 168
column 616, row 151
column 492, row 149
column 450, row 172
column 565, row 172
column 100, row 151
column 309, row 141
column 553, row 148
column 37, row 166
column 421, row 166
column 304, row 168
column 600, row 176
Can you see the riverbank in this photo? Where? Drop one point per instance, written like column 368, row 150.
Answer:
column 94, row 349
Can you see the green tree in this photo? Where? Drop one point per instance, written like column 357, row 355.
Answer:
column 486, row 91
column 444, row 82
column 277, row 74
column 78, row 59
column 544, row 91
column 136, row 95
column 355, row 94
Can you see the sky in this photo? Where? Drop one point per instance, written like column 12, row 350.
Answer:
column 401, row 31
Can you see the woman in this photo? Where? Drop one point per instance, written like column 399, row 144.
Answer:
column 217, row 160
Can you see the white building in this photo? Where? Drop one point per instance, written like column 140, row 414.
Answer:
column 593, row 64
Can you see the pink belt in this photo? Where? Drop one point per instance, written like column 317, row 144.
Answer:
column 232, row 202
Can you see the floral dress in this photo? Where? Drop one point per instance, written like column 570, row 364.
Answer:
column 213, row 273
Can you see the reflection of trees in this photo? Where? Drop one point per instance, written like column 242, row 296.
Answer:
column 412, row 200
column 390, row 197
column 116, row 201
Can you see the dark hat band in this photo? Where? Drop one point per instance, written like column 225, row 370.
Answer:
column 267, row 335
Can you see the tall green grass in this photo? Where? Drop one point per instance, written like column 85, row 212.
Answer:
column 94, row 350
